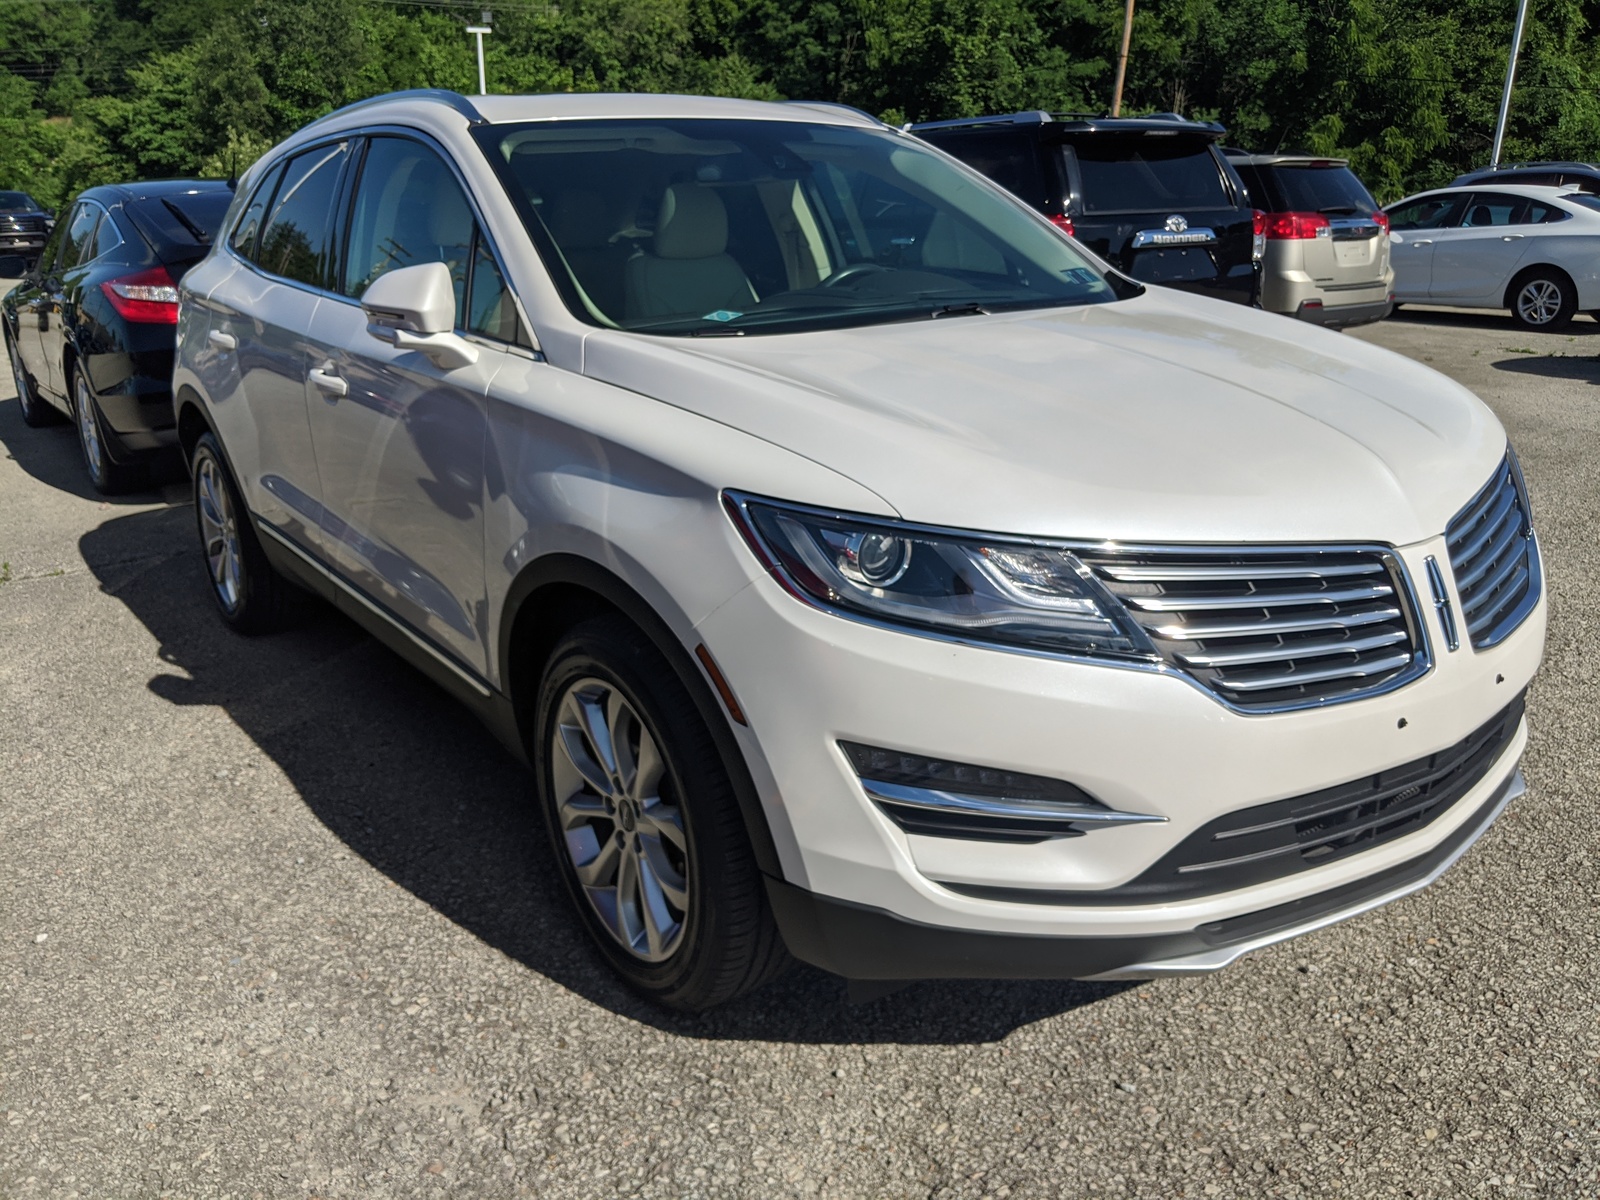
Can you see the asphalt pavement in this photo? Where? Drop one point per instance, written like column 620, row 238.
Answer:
column 275, row 921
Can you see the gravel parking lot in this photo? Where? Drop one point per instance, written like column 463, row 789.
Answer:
column 274, row 921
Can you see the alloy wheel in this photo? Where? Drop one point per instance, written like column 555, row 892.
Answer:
column 219, row 531
column 1539, row 301
column 88, row 429
column 620, row 822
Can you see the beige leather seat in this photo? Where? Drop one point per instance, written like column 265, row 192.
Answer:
column 688, row 271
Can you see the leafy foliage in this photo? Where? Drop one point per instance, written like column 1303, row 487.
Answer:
column 107, row 89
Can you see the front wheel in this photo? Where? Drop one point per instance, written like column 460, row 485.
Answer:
column 644, row 822
column 35, row 412
column 251, row 596
column 1543, row 299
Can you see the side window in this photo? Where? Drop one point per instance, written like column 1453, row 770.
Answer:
column 243, row 240
column 1543, row 214
column 296, row 234
column 1494, row 208
column 106, row 238
column 1430, row 212
column 80, row 228
column 408, row 209
column 490, row 310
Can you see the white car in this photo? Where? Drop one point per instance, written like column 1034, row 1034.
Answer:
column 1534, row 250
column 862, row 567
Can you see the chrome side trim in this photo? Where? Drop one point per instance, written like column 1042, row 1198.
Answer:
column 932, row 799
column 444, row 660
column 1214, row 960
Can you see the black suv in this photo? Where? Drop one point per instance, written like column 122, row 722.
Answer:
column 1153, row 196
column 1585, row 176
column 24, row 225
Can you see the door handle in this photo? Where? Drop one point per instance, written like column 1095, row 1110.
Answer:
column 1510, row 237
column 1423, row 242
column 222, row 341
column 328, row 383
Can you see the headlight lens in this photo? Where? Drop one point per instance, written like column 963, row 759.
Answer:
column 1011, row 591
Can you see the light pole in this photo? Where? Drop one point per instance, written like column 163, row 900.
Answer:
column 1122, row 60
column 479, row 31
column 1511, row 75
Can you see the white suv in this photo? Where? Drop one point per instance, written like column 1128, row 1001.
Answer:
column 863, row 567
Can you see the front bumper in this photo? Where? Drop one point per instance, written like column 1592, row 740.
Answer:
column 1138, row 741
column 866, row 943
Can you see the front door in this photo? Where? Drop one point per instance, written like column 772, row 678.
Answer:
column 400, row 440
column 1415, row 230
column 55, row 297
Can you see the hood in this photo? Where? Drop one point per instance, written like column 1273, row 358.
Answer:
column 1160, row 418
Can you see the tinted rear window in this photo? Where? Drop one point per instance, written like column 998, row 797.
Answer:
column 1011, row 161
column 182, row 221
column 1144, row 174
column 1331, row 190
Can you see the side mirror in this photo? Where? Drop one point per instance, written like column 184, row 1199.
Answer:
column 414, row 308
column 13, row 266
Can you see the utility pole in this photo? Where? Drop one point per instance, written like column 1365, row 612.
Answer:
column 479, row 31
column 1122, row 60
column 1511, row 76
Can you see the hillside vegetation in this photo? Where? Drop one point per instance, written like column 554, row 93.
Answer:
column 99, row 90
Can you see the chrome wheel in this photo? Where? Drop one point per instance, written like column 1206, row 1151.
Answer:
column 1539, row 302
column 219, row 533
column 622, row 827
column 88, row 428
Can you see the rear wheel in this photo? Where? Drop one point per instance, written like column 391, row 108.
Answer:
column 643, row 820
column 108, row 476
column 35, row 412
column 1543, row 299
column 251, row 596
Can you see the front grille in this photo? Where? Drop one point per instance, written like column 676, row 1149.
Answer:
column 1276, row 628
column 1270, row 841
column 25, row 224
column 1494, row 559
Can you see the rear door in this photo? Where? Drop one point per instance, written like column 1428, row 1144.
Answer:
column 262, row 348
column 1474, row 261
column 1414, row 229
column 1162, row 208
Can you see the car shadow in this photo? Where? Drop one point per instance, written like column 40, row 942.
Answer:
column 407, row 779
column 51, row 455
column 1583, row 368
column 1498, row 320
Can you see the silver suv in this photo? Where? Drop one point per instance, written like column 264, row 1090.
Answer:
column 1326, row 241
column 846, row 549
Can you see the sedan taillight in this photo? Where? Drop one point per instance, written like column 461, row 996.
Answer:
column 1292, row 226
column 147, row 298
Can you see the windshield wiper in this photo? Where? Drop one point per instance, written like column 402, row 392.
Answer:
column 1338, row 209
column 972, row 309
column 200, row 235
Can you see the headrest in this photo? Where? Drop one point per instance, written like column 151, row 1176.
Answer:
column 1480, row 215
column 691, row 223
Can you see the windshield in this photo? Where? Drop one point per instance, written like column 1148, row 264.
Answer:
column 727, row 227
column 18, row 202
column 1149, row 173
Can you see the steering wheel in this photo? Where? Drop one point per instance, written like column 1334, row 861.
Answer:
column 853, row 271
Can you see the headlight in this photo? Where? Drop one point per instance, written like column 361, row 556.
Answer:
column 974, row 586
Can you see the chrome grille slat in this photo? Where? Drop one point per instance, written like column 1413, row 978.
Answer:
column 1253, row 599
column 1298, row 651
column 1269, row 628
column 1494, row 559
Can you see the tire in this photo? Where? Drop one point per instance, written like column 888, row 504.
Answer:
column 35, row 412
column 109, row 477
column 250, row 594
column 655, row 857
column 1542, row 299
